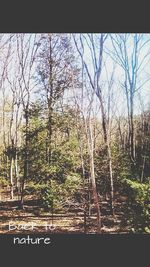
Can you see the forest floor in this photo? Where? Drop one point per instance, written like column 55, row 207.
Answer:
column 33, row 219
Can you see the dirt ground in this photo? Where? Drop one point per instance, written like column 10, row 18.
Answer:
column 33, row 219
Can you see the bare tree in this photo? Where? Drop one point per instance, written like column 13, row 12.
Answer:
column 86, row 112
column 27, row 47
column 6, row 51
column 96, row 46
column 131, row 53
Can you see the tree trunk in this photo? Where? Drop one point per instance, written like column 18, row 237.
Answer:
column 111, row 178
column 143, row 167
column 104, row 123
column 105, row 126
column 11, row 178
column 26, row 159
column 17, row 175
column 95, row 196
column 132, row 133
column 93, row 181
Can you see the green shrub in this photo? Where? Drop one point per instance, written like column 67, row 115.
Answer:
column 139, row 203
column 51, row 195
column 3, row 182
column 34, row 188
column 55, row 194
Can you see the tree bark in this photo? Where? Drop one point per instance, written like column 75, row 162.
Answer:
column 111, row 178
column 26, row 159
column 93, row 181
column 11, row 178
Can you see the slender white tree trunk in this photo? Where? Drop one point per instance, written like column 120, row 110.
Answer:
column 11, row 178
column 93, row 180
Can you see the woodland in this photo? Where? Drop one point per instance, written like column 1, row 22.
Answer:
column 75, row 133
